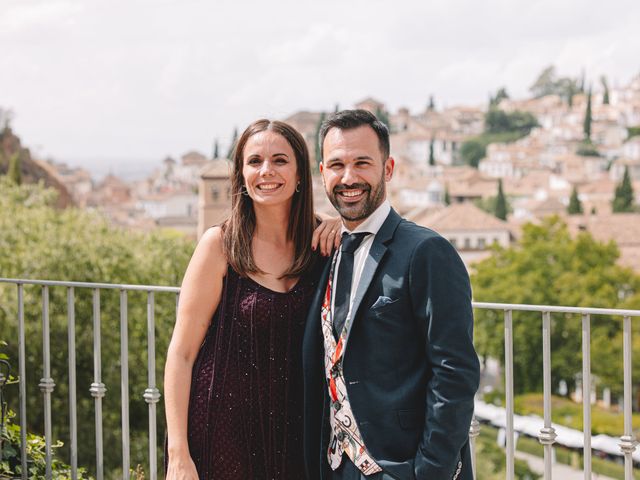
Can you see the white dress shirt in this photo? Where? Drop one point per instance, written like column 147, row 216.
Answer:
column 371, row 225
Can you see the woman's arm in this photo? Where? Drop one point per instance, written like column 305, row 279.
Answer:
column 199, row 297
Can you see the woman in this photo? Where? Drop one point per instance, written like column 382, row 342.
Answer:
column 233, row 380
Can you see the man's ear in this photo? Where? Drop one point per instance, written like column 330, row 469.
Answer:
column 321, row 168
column 388, row 168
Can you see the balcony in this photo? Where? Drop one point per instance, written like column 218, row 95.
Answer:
column 39, row 306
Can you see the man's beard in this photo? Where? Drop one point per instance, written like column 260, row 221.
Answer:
column 373, row 197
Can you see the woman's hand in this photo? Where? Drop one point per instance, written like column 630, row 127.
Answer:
column 326, row 236
column 181, row 467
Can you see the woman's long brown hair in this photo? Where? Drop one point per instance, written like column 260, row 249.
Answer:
column 240, row 226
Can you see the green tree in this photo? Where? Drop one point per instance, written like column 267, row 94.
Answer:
column 14, row 173
column 549, row 267
column 501, row 203
column 624, row 196
column 500, row 95
column 216, row 149
column 499, row 121
column 72, row 245
column 472, row 151
column 605, row 88
column 587, row 119
column 383, row 116
column 548, row 83
column 575, row 206
column 432, row 158
column 432, row 104
column 447, row 196
column 500, row 127
column 232, row 145
column 545, row 83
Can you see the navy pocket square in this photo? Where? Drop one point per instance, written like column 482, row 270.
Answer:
column 382, row 301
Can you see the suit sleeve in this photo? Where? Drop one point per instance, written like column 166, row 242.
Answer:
column 441, row 302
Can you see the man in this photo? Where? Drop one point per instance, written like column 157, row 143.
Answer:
column 390, row 369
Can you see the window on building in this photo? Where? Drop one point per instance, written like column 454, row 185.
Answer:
column 452, row 241
column 215, row 193
column 467, row 243
column 481, row 243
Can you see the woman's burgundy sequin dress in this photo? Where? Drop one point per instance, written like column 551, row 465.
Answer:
column 245, row 408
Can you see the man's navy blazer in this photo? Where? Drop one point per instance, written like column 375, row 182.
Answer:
column 409, row 363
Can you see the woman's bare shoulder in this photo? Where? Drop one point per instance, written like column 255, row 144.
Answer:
column 210, row 250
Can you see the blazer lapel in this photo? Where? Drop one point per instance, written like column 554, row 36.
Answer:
column 376, row 253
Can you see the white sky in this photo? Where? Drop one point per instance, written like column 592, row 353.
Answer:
column 146, row 78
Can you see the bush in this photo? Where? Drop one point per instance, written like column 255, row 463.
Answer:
column 10, row 463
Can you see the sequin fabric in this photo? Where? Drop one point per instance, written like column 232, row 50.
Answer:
column 245, row 408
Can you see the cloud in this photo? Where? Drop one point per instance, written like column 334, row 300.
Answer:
column 148, row 78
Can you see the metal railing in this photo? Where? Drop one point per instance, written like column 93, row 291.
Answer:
column 97, row 388
column 547, row 435
column 151, row 395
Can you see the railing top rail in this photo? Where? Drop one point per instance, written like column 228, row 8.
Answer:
column 112, row 286
column 483, row 305
column 557, row 309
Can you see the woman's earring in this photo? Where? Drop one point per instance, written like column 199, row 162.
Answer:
column 298, row 186
column 244, row 191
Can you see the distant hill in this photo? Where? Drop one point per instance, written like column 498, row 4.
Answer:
column 31, row 172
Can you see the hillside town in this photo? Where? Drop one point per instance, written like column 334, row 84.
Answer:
column 569, row 163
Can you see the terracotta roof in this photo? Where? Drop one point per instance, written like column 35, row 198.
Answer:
column 216, row 169
column 461, row 216
column 624, row 228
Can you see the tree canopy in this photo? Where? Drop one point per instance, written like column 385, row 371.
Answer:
column 549, row 267
column 41, row 242
column 500, row 127
column 549, row 83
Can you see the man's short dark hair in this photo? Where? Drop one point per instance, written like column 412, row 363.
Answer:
column 350, row 119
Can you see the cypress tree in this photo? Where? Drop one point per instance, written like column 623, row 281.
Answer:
column 14, row 173
column 587, row 119
column 501, row 203
column 623, row 199
column 575, row 207
column 216, row 149
column 447, row 197
column 383, row 117
column 432, row 158
column 432, row 104
column 605, row 86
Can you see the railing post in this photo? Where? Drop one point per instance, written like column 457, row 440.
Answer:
column 547, row 434
column 46, row 382
column 23, row 383
column 586, row 393
column 73, row 416
column 124, row 383
column 627, row 441
column 508, row 382
column 152, row 394
column 474, row 431
column 98, row 389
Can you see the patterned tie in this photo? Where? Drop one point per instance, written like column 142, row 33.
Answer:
column 342, row 288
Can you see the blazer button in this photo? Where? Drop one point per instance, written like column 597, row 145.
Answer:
column 337, row 405
column 341, row 436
